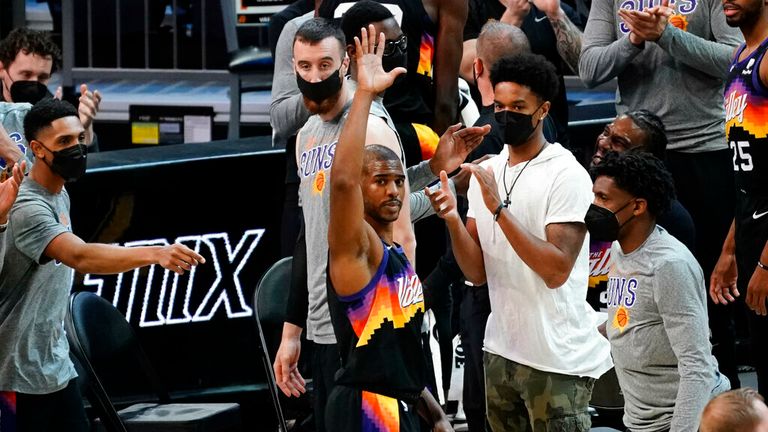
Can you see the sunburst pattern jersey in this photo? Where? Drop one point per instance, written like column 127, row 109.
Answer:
column 379, row 335
column 746, row 121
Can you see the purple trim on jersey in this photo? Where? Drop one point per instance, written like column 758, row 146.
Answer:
column 373, row 282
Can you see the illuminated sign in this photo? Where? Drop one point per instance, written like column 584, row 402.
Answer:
column 167, row 298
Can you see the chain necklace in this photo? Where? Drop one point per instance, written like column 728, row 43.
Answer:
column 504, row 174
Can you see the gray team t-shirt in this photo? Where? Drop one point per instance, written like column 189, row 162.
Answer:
column 657, row 325
column 34, row 354
column 315, row 150
column 679, row 77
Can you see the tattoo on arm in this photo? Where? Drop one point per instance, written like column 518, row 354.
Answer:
column 568, row 40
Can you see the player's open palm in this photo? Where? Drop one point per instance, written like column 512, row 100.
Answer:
column 371, row 76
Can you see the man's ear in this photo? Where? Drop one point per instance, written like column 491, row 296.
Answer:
column 350, row 52
column 37, row 149
column 641, row 207
column 345, row 65
column 545, row 109
column 477, row 67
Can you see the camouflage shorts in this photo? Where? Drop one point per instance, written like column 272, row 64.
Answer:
column 520, row 398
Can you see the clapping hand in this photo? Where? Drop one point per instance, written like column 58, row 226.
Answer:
column 646, row 25
column 9, row 190
column 455, row 145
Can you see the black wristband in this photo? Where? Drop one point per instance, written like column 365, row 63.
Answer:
column 762, row 266
column 497, row 213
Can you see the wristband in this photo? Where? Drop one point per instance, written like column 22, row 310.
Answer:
column 762, row 266
column 497, row 213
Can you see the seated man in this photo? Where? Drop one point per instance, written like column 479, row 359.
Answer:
column 740, row 410
column 657, row 310
column 41, row 254
column 638, row 130
column 375, row 296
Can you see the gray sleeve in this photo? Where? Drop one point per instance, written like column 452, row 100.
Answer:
column 420, row 206
column 679, row 293
column 287, row 113
column 710, row 57
column 419, row 176
column 34, row 226
column 603, row 56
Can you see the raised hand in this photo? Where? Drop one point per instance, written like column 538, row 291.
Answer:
column 89, row 105
column 9, row 190
column 549, row 7
column 461, row 179
column 646, row 25
column 178, row 258
column 371, row 76
column 487, row 183
column 515, row 12
column 443, row 200
column 722, row 283
column 455, row 145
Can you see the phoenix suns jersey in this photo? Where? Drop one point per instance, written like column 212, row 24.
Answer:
column 746, row 110
column 746, row 121
column 378, row 331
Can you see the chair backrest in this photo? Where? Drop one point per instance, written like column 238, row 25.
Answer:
column 606, row 394
column 106, row 344
column 269, row 305
column 270, row 301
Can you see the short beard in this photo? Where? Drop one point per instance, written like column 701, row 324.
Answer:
column 377, row 215
column 323, row 107
column 748, row 18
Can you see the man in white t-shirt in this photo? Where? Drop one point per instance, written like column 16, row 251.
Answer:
column 525, row 237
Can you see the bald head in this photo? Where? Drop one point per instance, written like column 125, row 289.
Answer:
column 740, row 410
column 497, row 40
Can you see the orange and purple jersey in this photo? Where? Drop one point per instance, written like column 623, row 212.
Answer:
column 746, row 121
column 378, row 331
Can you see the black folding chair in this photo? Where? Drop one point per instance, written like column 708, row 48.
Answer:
column 269, row 304
column 608, row 401
column 110, row 359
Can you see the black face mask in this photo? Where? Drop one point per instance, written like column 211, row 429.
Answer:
column 602, row 224
column 29, row 91
column 320, row 91
column 517, row 127
column 69, row 163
